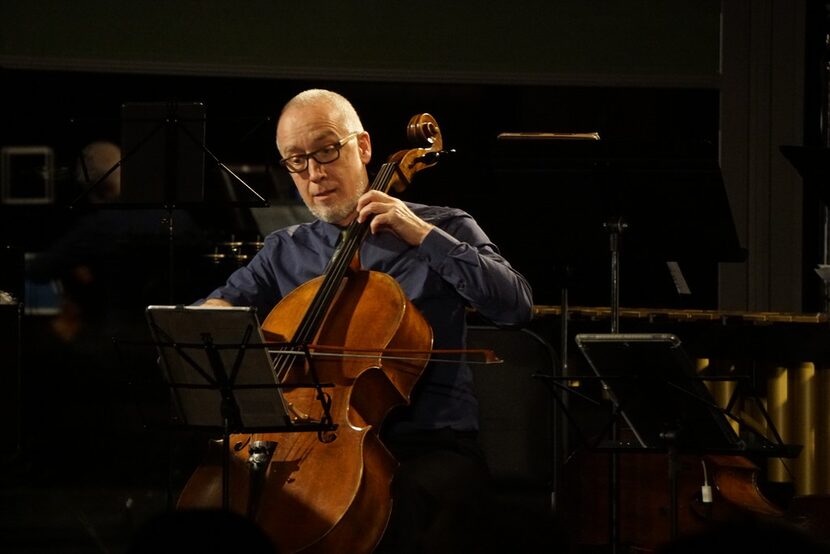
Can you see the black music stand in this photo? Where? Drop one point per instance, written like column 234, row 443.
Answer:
column 666, row 208
column 604, row 206
column 655, row 389
column 163, row 157
column 219, row 372
column 163, row 153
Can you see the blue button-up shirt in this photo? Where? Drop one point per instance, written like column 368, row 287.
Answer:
column 454, row 268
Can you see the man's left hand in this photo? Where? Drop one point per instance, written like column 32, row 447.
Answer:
column 391, row 214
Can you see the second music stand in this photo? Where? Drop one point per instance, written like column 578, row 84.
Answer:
column 655, row 389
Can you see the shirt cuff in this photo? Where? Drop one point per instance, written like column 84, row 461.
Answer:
column 436, row 247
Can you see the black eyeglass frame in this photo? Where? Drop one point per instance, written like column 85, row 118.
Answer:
column 338, row 145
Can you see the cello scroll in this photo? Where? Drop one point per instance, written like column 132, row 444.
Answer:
column 423, row 132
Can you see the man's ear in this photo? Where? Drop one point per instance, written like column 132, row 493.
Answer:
column 364, row 146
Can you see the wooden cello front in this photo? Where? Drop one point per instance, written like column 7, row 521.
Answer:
column 330, row 491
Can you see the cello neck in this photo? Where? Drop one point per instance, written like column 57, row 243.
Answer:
column 339, row 264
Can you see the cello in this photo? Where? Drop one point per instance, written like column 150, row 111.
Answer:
column 331, row 490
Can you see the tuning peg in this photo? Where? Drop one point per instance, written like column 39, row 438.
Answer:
column 434, row 157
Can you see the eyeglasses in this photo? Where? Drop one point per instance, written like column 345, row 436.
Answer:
column 325, row 155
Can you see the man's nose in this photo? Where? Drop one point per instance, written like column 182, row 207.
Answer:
column 316, row 170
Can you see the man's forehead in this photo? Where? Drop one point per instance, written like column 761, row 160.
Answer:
column 304, row 140
column 295, row 128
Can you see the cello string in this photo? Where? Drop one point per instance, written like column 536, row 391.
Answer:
column 333, row 278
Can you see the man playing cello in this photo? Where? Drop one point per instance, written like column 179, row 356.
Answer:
column 444, row 264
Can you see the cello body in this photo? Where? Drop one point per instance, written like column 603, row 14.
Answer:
column 330, row 491
column 318, row 496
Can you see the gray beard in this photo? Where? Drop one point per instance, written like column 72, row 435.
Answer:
column 337, row 213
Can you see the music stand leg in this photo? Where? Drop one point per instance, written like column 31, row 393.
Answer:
column 615, row 228
column 560, row 440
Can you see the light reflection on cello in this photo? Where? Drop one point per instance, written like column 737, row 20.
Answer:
column 418, row 269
